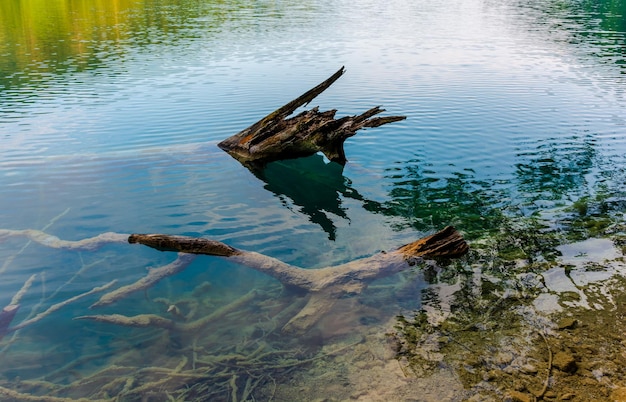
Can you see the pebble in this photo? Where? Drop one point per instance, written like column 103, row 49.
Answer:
column 490, row 375
column 565, row 362
column 619, row 394
column 510, row 370
column 590, row 382
column 567, row 323
column 443, row 340
column 550, row 394
column 473, row 362
column 503, row 358
column 516, row 396
column 519, row 386
column 529, row 369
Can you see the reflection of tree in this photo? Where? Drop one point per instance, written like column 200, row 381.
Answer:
column 40, row 37
column 313, row 185
column 428, row 202
column 595, row 27
column 555, row 170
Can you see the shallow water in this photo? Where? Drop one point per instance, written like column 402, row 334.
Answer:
column 110, row 113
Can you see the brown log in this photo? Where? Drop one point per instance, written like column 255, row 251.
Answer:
column 447, row 243
column 275, row 137
column 183, row 244
column 325, row 285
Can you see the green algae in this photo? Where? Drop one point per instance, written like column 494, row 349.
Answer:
column 491, row 331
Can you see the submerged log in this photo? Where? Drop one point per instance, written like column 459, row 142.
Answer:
column 275, row 137
column 325, row 285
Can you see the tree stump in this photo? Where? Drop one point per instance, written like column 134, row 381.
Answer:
column 276, row 137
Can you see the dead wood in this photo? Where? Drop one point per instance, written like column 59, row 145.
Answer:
column 6, row 316
column 152, row 320
column 275, row 137
column 8, row 313
column 141, row 321
column 48, row 240
column 325, row 285
column 146, row 282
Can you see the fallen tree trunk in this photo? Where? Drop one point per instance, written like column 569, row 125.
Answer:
column 325, row 285
column 275, row 137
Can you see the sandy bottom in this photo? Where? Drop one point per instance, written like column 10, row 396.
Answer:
column 369, row 371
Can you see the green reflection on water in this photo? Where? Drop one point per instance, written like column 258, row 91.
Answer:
column 487, row 327
column 597, row 28
column 39, row 38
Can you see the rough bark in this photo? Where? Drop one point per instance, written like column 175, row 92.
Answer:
column 8, row 313
column 275, row 137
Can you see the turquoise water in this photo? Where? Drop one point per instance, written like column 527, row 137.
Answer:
column 110, row 116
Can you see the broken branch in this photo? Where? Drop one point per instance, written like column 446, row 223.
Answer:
column 57, row 306
column 275, row 137
column 154, row 276
column 48, row 240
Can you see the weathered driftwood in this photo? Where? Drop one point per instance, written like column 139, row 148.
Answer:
column 8, row 312
column 325, row 285
column 276, row 137
column 89, row 244
column 152, row 320
column 146, row 282
column 6, row 317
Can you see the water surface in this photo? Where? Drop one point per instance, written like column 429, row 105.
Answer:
column 110, row 112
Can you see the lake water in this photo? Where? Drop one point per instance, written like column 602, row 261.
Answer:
column 110, row 112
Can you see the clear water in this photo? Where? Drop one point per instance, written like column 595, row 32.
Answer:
column 110, row 112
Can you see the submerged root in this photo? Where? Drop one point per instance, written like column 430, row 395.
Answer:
column 154, row 276
column 48, row 240
column 140, row 321
column 9, row 394
column 546, row 382
column 200, row 369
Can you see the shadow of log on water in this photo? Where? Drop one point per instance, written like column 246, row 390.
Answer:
column 316, row 187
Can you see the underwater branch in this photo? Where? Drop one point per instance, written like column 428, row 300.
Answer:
column 325, row 285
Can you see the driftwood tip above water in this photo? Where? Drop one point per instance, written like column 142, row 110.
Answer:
column 183, row 244
column 276, row 137
column 447, row 243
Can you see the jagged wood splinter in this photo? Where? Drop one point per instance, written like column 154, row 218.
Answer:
column 275, row 137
